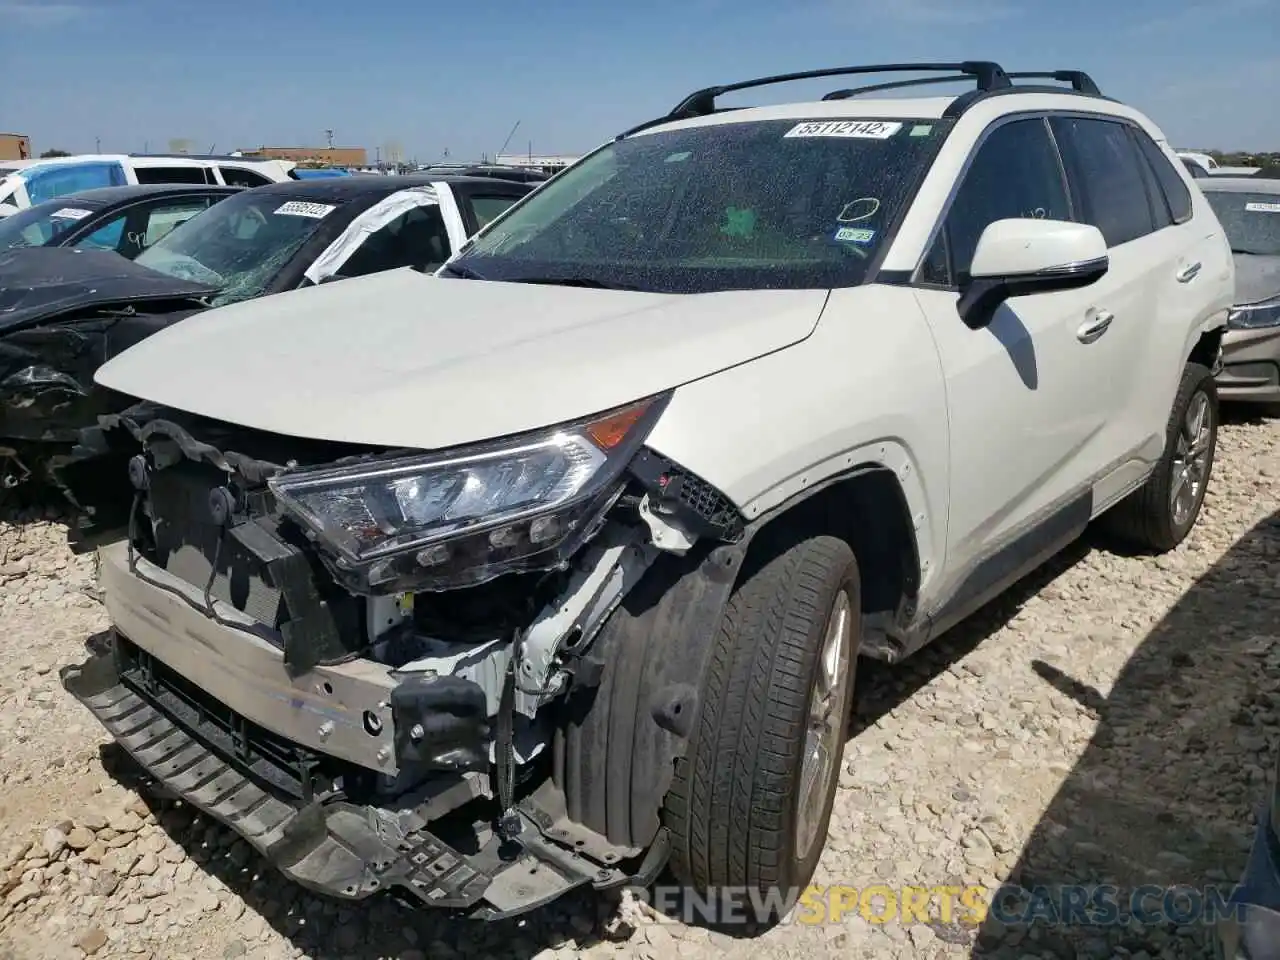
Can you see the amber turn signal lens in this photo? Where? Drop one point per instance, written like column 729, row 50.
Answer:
column 610, row 431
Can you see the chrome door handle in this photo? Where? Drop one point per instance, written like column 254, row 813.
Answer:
column 1188, row 273
column 1091, row 330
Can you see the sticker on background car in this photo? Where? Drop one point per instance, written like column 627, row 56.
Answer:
column 1257, row 207
column 70, row 213
column 855, row 235
column 300, row 208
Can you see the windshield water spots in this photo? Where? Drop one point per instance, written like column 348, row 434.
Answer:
column 772, row 204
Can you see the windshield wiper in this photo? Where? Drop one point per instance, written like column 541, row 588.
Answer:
column 590, row 282
column 465, row 273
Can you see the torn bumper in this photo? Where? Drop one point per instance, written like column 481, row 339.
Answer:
column 222, row 747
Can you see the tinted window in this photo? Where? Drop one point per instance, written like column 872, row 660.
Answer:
column 47, row 183
column 1015, row 174
column 487, row 208
column 1106, row 173
column 170, row 174
column 416, row 238
column 1250, row 220
column 765, row 204
column 43, row 224
column 240, row 244
column 142, row 225
column 239, row 177
column 1174, row 188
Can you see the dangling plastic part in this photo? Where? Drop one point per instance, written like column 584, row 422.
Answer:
column 508, row 826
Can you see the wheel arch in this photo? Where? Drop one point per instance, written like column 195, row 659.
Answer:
column 616, row 744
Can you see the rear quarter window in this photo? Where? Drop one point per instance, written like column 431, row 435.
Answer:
column 1174, row 188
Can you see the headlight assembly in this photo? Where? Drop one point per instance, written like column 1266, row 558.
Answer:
column 461, row 517
column 1251, row 316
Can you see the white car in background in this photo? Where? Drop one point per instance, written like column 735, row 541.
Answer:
column 24, row 183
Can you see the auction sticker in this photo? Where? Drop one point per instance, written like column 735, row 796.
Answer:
column 855, row 235
column 300, row 208
column 851, row 129
column 70, row 213
column 1256, row 207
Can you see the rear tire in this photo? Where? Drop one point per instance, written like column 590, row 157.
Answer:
column 744, row 808
column 1159, row 514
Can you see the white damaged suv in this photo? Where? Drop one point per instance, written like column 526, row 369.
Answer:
column 554, row 569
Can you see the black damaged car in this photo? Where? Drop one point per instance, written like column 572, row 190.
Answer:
column 66, row 311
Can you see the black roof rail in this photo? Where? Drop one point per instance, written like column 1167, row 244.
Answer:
column 1080, row 81
column 991, row 80
column 701, row 103
column 895, row 85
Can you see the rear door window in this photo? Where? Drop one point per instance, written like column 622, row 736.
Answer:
column 1106, row 174
column 1174, row 188
column 170, row 174
column 240, row 177
column 137, row 228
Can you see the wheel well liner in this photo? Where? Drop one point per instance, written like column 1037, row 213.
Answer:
column 1205, row 352
column 616, row 743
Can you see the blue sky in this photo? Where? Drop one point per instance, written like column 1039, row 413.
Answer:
column 457, row 76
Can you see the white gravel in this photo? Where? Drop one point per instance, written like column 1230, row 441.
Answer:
column 1114, row 720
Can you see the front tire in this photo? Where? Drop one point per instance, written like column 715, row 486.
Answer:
column 1159, row 514
column 750, row 801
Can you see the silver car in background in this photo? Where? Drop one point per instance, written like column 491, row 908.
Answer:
column 1249, row 209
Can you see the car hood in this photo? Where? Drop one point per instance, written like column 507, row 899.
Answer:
column 1257, row 277
column 39, row 283
column 402, row 359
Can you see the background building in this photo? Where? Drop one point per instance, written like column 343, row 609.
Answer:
column 327, row 156
column 14, row 146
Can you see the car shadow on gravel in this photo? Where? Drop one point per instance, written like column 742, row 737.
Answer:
column 1166, row 792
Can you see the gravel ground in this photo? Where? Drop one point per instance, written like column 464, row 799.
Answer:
column 1110, row 720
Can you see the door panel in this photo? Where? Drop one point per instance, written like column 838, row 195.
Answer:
column 1026, row 396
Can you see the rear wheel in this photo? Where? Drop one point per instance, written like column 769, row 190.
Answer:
column 1159, row 515
column 751, row 800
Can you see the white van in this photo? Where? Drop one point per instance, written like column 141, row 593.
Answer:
column 24, row 183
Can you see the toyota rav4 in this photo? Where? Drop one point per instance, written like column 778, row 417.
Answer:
column 554, row 568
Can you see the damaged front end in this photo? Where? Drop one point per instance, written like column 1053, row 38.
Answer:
column 64, row 313
column 359, row 659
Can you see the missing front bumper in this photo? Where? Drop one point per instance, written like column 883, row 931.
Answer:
column 341, row 849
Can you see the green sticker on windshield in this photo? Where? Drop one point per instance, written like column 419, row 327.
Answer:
column 921, row 130
column 738, row 222
column 679, row 157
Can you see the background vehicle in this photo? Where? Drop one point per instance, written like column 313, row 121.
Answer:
column 1202, row 160
column 69, row 318
column 1197, row 171
column 124, row 219
column 1249, row 209
column 24, row 183
column 575, row 553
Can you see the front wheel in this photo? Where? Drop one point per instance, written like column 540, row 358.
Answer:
column 751, row 800
column 1159, row 514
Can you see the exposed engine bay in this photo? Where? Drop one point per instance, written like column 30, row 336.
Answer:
column 406, row 639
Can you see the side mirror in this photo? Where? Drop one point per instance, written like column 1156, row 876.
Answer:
column 1016, row 258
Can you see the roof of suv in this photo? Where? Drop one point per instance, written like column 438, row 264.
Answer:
column 990, row 80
